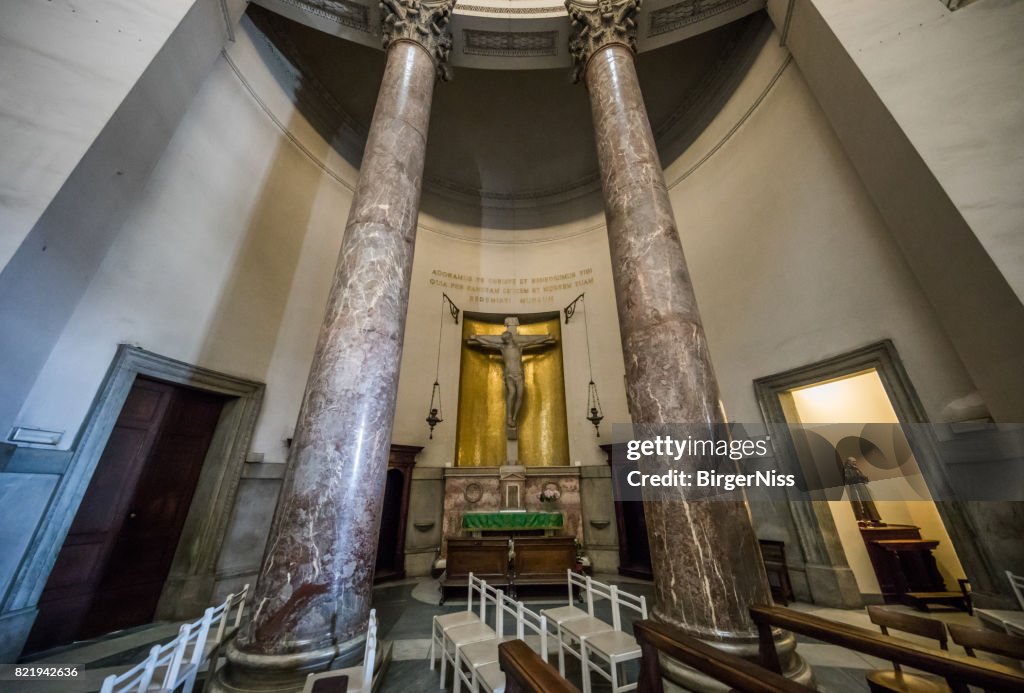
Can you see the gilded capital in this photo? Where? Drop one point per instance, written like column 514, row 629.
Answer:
column 425, row 23
column 595, row 26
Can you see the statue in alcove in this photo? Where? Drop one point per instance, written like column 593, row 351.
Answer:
column 511, row 345
column 856, row 482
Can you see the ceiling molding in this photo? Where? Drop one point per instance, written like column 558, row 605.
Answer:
column 510, row 31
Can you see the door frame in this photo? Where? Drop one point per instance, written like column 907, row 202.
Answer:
column 190, row 582
column 818, row 536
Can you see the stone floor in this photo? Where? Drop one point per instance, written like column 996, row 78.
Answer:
column 406, row 609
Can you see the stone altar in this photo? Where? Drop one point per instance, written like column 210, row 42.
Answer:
column 479, row 489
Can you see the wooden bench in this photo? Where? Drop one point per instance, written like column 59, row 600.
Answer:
column 487, row 559
column 542, row 560
column 959, row 672
column 736, row 673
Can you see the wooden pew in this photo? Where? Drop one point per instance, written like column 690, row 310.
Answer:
column 487, row 559
column 958, row 671
column 526, row 672
column 736, row 673
column 542, row 560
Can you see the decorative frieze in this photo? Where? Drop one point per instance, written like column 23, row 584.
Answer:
column 514, row 44
column 425, row 23
column 343, row 12
column 687, row 12
column 596, row 26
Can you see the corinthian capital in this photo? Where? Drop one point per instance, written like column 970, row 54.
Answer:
column 597, row 25
column 423, row 22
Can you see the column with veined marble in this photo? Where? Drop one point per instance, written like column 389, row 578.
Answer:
column 312, row 598
column 705, row 556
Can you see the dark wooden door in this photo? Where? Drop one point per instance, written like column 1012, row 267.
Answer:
column 111, row 569
column 391, row 515
column 630, row 520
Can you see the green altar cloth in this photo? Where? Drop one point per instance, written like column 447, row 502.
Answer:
column 495, row 522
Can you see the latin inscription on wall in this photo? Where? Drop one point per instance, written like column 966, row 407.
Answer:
column 478, row 292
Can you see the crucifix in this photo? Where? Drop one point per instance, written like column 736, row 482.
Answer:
column 511, row 345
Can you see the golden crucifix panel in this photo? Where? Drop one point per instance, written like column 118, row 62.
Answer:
column 543, row 439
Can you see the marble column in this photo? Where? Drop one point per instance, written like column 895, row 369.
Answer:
column 704, row 553
column 312, row 598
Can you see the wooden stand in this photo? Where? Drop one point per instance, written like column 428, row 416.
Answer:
column 906, row 569
column 774, row 555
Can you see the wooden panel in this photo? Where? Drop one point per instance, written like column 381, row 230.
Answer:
column 72, row 584
column 141, row 556
column 113, row 564
column 543, row 560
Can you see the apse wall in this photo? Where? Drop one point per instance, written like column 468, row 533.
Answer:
column 793, row 264
column 224, row 262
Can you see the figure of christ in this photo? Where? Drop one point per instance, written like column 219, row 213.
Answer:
column 511, row 345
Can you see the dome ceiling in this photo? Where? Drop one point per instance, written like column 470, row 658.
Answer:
column 507, row 137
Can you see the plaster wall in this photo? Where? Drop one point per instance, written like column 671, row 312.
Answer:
column 951, row 80
column 50, row 115
column 792, row 262
column 92, row 95
column 928, row 107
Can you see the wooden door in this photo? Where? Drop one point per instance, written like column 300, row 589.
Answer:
column 111, row 569
column 630, row 520
column 391, row 515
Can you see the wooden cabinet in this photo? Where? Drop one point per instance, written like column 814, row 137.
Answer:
column 902, row 560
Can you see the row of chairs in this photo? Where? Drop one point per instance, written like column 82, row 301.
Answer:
column 175, row 665
column 600, row 644
column 466, row 640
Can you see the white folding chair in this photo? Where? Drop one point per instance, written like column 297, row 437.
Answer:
column 360, row 677
column 458, row 637
column 571, row 611
column 613, row 647
column 140, row 677
column 477, row 656
column 189, row 655
column 458, row 618
column 572, row 630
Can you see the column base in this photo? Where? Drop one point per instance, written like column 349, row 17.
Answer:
column 248, row 673
column 679, row 677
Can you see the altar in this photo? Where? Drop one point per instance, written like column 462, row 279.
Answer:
column 477, row 501
column 512, row 522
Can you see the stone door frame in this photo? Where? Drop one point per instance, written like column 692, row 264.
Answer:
column 829, row 576
column 190, row 582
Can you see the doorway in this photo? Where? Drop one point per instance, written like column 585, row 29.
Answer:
column 852, row 421
column 111, row 569
column 823, row 563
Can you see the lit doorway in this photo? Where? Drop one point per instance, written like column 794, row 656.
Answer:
column 823, row 565
column 863, row 439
